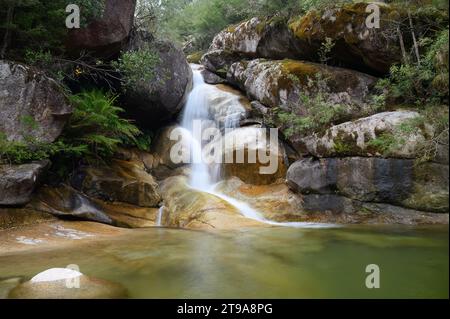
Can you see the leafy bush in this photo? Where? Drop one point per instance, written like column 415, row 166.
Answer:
column 138, row 66
column 94, row 132
column 424, row 82
column 321, row 111
column 96, row 123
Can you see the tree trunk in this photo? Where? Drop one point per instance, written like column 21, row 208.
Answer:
column 402, row 44
column 416, row 46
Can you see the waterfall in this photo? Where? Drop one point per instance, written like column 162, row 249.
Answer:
column 224, row 114
column 160, row 216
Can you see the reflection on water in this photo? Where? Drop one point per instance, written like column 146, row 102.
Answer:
column 260, row 263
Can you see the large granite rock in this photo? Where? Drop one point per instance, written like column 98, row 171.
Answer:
column 281, row 83
column 64, row 201
column 193, row 209
column 371, row 50
column 120, row 181
column 107, row 36
column 241, row 155
column 356, row 138
column 18, row 182
column 398, row 182
column 32, row 105
column 156, row 102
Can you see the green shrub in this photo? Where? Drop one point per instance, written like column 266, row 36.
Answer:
column 138, row 66
column 96, row 123
column 423, row 83
column 321, row 111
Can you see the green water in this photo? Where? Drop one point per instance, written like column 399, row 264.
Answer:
column 260, row 263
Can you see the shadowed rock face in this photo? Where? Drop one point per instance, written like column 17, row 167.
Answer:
column 155, row 103
column 339, row 181
column 18, row 182
column 65, row 201
column 107, row 36
column 121, row 181
column 31, row 104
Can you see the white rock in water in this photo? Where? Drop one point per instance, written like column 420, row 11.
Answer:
column 56, row 274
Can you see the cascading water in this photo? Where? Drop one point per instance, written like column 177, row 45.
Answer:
column 204, row 177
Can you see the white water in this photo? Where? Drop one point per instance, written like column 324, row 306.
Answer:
column 160, row 216
column 203, row 176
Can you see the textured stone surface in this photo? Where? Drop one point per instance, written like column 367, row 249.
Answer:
column 32, row 105
column 190, row 208
column 106, row 36
column 354, row 138
column 394, row 181
column 156, row 102
column 277, row 83
column 18, row 182
column 122, row 181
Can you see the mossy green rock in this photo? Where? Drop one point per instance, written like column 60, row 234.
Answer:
column 279, row 83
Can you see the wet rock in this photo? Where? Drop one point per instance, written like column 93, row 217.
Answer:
column 212, row 78
column 394, row 181
column 121, row 181
column 107, row 36
column 18, row 182
column 280, row 83
column 7, row 284
column 249, row 154
column 156, row 102
column 219, row 61
column 354, row 138
column 275, row 202
column 61, row 283
column 190, row 208
column 18, row 217
column 32, row 105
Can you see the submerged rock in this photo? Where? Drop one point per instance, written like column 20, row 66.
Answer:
column 32, row 105
column 157, row 102
column 62, row 283
column 121, row 181
column 18, row 182
column 398, row 182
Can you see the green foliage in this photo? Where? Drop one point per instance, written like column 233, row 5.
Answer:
column 321, row 111
column 325, row 50
column 94, row 132
column 198, row 21
column 138, row 66
column 424, row 82
column 40, row 24
column 96, row 123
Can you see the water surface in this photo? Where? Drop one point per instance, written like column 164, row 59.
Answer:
column 273, row 262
